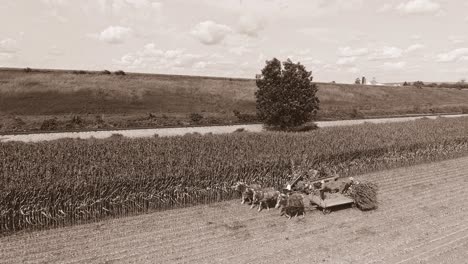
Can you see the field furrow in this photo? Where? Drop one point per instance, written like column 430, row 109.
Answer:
column 452, row 253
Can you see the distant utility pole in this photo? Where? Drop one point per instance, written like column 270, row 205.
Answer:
column 364, row 81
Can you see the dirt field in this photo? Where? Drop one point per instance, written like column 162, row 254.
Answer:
column 421, row 219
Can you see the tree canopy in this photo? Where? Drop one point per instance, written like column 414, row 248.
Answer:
column 286, row 96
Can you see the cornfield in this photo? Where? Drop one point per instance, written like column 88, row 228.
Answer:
column 72, row 181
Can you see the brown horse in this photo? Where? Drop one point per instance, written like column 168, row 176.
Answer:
column 292, row 204
column 264, row 197
column 246, row 191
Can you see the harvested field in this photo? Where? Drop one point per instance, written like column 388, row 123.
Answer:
column 421, row 219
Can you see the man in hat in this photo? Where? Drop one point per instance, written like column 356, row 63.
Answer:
column 347, row 184
column 323, row 188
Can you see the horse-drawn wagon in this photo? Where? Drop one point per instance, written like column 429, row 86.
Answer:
column 325, row 194
column 331, row 200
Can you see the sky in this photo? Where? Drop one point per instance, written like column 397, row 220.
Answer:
column 338, row 40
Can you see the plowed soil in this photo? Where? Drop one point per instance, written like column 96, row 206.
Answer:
column 422, row 218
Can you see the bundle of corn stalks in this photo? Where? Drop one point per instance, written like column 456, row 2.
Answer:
column 364, row 195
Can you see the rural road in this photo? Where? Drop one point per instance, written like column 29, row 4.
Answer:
column 164, row 132
column 421, row 219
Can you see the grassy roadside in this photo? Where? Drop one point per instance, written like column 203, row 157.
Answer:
column 124, row 122
column 67, row 182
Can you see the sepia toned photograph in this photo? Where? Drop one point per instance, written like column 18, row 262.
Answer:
column 233, row 131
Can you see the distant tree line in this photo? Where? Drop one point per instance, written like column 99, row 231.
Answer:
column 104, row 72
column 458, row 85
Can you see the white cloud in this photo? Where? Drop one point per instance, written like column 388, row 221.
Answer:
column 281, row 10
column 331, row 67
column 322, row 34
column 6, row 56
column 151, row 57
column 53, row 7
column 55, row 51
column 8, row 45
column 311, row 60
column 54, row 2
column 240, row 50
column 454, row 55
column 261, row 58
column 350, row 52
column 346, row 61
column 250, row 25
column 144, row 4
column 340, row 4
column 357, row 35
column 394, row 65
column 456, row 39
column 130, row 6
column 127, row 12
column 313, row 31
column 386, row 53
column 201, row 65
column 304, row 52
column 353, row 70
column 210, row 33
column 384, row 8
column 414, row 47
column 8, row 49
column 114, row 34
column 419, row 7
column 305, row 56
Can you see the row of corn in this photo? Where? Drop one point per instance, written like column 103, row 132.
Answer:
column 66, row 182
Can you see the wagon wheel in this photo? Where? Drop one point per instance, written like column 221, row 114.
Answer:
column 326, row 211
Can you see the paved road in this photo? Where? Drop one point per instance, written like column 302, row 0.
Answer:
column 164, row 132
column 421, row 219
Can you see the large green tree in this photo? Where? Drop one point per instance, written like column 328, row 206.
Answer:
column 286, row 96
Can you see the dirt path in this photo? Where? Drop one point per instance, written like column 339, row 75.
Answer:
column 178, row 131
column 421, row 219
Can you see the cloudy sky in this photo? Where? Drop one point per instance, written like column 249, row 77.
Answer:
column 394, row 40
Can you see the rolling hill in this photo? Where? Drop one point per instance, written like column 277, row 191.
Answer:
column 99, row 100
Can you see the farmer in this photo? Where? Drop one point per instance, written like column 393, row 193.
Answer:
column 332, row 186
column 323, row 188
column 348, row 183
column 299, row 186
